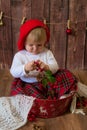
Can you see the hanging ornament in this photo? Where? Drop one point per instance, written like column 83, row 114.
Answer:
column 1, row 21
column 68, row 30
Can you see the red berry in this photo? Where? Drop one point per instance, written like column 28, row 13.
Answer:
column 49, row 97
column 54, row 98
column 41, row 69
column 55, row 86
column 68, row 31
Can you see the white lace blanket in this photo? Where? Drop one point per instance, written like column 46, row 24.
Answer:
column 14, row 111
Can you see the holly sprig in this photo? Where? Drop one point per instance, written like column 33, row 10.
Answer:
column 47, row 79
column 47, row 75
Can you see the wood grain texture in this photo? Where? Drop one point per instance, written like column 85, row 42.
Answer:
column 40, row 9
column 17, row 15
column 66, row 122
column 5, row 34
column 58, row 43
column 69, row 50
column 76, row 41
column 85, row 54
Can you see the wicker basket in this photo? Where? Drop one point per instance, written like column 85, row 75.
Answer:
column 45, row 108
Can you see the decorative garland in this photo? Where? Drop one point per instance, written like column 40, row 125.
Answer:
column 68, row 24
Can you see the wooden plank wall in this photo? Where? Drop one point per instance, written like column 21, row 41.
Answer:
column 69, row 50
column 5, row 35
column 76, row 56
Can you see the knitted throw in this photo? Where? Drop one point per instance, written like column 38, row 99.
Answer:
column 14, row 111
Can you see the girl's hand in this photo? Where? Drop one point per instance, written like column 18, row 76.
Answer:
column 29, row 67
column 41, row 65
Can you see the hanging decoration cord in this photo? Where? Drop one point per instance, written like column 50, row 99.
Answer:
column 15, row 19
column 24, row 19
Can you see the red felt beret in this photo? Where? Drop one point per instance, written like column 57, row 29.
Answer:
column 27, row 27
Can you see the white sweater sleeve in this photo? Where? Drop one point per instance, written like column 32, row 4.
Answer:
column 53, row 65
column 17, row 67
column 19, row 60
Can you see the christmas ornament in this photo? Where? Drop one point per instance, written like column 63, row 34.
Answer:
column 68, row 30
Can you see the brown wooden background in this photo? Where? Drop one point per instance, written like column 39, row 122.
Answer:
column 69, row 50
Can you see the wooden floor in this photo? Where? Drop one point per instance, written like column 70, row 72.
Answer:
column 65, row 122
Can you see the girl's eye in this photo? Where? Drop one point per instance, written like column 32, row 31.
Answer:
column 30, row 44
column 39, row 45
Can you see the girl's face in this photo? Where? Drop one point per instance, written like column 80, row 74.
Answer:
column 34, row 47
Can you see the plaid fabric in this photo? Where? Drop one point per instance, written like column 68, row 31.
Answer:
column 29, row 89
column 65, row 82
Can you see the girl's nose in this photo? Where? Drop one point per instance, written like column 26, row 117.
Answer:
column 35, row 48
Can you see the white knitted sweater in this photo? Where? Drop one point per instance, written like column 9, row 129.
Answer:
column 14, row 111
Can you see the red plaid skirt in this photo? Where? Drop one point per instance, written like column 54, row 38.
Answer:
column 65, row 83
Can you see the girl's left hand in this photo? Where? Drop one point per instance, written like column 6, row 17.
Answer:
column 42, row 65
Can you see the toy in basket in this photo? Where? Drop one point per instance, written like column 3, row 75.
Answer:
column 51, row 106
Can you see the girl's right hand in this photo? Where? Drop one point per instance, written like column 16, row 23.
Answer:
column 30, row 66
